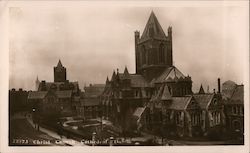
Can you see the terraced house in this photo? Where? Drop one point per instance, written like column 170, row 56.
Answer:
column 158, row 97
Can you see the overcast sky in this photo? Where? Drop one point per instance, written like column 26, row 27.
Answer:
column 208, row 42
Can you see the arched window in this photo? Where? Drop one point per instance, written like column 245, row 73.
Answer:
column 161, row 53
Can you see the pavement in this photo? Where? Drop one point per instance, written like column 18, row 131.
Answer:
column 61, row 139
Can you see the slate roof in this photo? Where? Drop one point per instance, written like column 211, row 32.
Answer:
column 180, row 103
column 169, row 74
column 37, row 94
column 166, row 94
column 91, row 102
column 64, row 94
column 153, row 29
column 237, row 96
column 228, row 88
column 57, row 85
column 94, row 90
column 137, row 80
column 203, row 99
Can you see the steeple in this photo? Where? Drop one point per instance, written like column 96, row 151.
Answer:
column 59, row 72
column 201, row 90
column 153, row 29
column 37, row 83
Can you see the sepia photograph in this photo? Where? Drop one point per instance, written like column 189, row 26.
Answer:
column 128, row 74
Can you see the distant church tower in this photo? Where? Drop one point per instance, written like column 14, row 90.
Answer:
column 59, row 73
column 153, row 50
column 37, row 84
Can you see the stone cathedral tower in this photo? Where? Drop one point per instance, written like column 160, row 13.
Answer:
column 59, row 73
column 153, row 49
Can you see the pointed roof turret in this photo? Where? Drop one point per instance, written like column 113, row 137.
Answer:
column 126, row 73
column 59, row 64
column 107, row 80
column 201, row 91
column 166, row 94
column 113, row 76
column 37, row 80
column 153, row 29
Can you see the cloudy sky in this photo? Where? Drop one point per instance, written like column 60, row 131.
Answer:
column 91, row 41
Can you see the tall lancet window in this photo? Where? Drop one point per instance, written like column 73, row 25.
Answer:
column 143, row 55
column 151, row 31
column 161, row 54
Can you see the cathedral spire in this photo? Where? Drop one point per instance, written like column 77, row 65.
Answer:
column 153, row 29
column 126, row 73
column 37, row 83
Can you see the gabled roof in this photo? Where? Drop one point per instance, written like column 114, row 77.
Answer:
column 201, row 91
column 203, row 99
column 137, row 80
column 153, row 29
column 64, row 94
column 180, row 103
column 37, row 94
column 169, row 74
column 166, row 94
column 94, row 90
column 237, row 96
column 113, row 76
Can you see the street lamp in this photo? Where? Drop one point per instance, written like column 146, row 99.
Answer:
column 111, row 141
column 33, row 116
column 93, row 138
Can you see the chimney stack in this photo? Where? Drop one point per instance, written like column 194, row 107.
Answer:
column 218, row 85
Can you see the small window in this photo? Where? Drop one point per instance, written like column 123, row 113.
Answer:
column 215, row 102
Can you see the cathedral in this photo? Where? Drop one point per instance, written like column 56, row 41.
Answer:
column 158, row 97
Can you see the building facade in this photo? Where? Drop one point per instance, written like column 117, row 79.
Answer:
column 58, row 98
column 158, row 98
column 233, row 97
column 90, row 107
